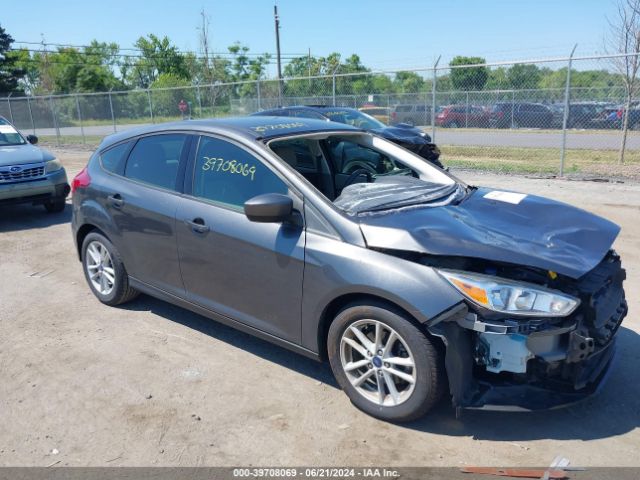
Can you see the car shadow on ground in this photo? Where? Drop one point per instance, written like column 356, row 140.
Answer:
column 614, row 411
column 15, row 218
column 261, row 348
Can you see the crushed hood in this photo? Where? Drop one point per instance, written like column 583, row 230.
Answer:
column 21, row 154
column 501, row 226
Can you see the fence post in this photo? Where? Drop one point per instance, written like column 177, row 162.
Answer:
column 333, row 77
column 10, row 111
column 433, row 100
column 466, row 112
column 513, row 107
column 259, row 96
column 33, row 125
column 565, row 116
column 55, row 120
column 113, row 117
column 80, row 118
column 199, row 99
column 150, row 105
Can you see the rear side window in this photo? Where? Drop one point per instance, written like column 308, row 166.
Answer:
column 113, row 159
column 228, row 174
column 154, row 160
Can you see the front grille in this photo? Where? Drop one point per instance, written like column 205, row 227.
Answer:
column 19, row 173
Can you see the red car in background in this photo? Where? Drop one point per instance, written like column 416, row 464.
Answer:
column 456, row 116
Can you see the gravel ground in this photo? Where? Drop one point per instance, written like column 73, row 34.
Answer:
column 82, row 384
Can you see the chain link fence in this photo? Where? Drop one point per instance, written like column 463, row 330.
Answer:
column 549, row 116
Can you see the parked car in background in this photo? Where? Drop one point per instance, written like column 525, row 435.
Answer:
column 383, row 114
column 413, row 114
column 29, row 174
column 456, row 116
column 520, row 115
column 582, row 115
column 409, row 137
column 335, row 243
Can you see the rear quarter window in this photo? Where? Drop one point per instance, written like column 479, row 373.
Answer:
column 112, row 160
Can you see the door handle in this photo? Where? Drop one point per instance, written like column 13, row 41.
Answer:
column 116, row 200
column 197, row 225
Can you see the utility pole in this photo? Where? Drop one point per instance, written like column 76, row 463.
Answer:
column 277, row 21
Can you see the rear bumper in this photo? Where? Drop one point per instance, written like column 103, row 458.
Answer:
column 52, row 186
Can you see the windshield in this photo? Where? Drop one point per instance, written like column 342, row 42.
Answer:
column 354, row 117
column 9, row 135
column 349, row 169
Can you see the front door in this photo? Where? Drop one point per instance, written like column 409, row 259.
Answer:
column 251, row 272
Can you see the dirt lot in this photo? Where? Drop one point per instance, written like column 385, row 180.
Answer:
column 152, row 384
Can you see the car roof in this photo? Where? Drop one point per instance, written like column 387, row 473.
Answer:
column 250, row 128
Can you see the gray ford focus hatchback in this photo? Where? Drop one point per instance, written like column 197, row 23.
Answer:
column 341, row 245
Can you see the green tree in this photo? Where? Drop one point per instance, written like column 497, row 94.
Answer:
column 470, row 78
column 158, row 56
column 10, row 71
column 521, row 76
column 408, row 82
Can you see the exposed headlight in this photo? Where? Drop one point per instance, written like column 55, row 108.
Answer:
column 507, row 296
column 52, row 166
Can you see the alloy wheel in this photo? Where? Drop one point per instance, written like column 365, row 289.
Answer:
column 100, row 268
column 378, row 362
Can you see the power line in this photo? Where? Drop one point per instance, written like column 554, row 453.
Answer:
column 184, row 52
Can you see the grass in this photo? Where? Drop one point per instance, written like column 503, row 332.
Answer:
column 540, row 160
column 89, row 140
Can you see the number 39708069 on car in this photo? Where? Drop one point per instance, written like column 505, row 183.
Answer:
column 340, row 245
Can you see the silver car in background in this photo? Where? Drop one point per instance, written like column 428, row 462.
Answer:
column 29, row 174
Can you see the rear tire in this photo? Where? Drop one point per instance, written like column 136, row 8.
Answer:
column 403, row 377
column 55, row 206
column 105, row 272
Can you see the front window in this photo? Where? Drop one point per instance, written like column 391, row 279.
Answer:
column 354, row 118
column 9, row 135
column 227, row 174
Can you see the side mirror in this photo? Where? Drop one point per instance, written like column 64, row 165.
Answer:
column 32, row 139
column 268, row 208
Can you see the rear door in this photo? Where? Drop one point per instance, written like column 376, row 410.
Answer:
column 143, row 207
column 247, row 271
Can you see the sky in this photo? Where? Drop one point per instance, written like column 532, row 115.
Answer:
column 386, row 34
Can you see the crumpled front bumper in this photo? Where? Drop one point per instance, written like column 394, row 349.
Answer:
column 594, row 373
column 539, row 364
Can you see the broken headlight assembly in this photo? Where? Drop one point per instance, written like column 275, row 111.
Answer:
column 510, row 297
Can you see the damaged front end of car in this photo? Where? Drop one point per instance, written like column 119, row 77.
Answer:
column 541, row 289
column 531, row 361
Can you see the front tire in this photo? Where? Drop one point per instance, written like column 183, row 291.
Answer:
column 104, row 271
column 384, row 363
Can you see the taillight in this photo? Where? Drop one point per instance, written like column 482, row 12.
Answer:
column 619, row 113
column 81, row 180
column 394, row 115
column 500, row 114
